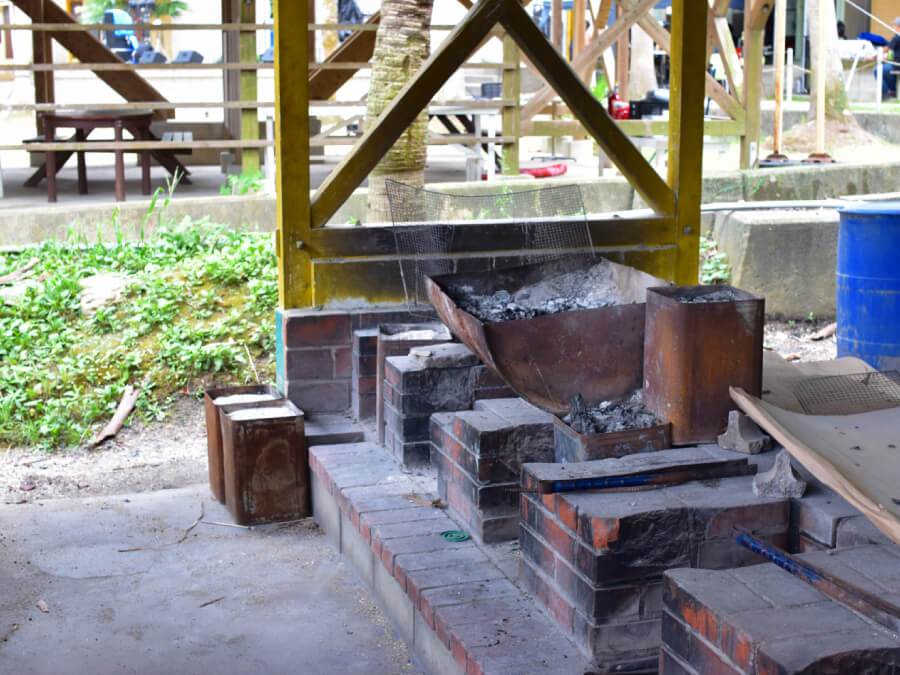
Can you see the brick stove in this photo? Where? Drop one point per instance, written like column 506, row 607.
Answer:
column 595, row 560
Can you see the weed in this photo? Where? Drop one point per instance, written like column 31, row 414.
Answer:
column 243, row 183
column 198, row 300
column 714, row 267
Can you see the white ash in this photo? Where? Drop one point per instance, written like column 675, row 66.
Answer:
column 234, row 399
column 724, row 295
column 610, row 416
column 584, row 289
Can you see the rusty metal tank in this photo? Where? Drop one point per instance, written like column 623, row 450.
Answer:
column 597, row 353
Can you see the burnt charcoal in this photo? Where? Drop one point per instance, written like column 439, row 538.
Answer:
column 725, row 295
column 612, row 416
column 590, row 289
column 579, row 418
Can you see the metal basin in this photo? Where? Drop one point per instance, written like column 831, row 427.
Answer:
column 548, row 359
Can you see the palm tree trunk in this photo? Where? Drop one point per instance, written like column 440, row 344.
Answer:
column 401, row 46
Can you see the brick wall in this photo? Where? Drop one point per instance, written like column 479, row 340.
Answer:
column 595, row 560
column 314, row 353
column 478, row 456
column 363, row 372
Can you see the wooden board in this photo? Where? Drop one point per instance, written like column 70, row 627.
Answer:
column 639, row 470
column 855, row 455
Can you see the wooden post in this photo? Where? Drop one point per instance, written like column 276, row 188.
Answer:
column 231, row 81
column 820, row 83
column 687, row 86
column 42, row 48
column 622, row 58
column 292, row 151
column 780, row 30
column 578, row 27
column 752, row 90
column 556, row 25
column 512, row 80
column 249, row 116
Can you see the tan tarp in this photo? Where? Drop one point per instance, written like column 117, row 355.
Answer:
column 856, row 455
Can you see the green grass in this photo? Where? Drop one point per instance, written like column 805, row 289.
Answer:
column 199, row 299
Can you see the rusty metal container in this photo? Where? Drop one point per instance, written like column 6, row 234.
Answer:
column 571, row 446
column 597, row 353
column 396, row 339
column 695, row 351
column 266, row 463
column 213, row 400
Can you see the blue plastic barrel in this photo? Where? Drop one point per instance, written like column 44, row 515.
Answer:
column 868, row 284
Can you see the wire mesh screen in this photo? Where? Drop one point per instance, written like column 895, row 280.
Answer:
column 552, row 220
column 849, row 394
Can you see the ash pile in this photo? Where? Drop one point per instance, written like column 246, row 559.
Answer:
column 592, row 288
column 610, row 416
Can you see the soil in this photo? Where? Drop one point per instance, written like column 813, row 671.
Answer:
column 845, row 141
column 573, row 291
column 171, row 454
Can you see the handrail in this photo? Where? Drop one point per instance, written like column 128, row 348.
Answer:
column 343, row 65
column 70, row 27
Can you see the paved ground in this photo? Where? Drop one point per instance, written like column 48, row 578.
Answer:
column 116, row 585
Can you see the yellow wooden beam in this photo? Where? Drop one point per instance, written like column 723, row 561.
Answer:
column 587, row 108
column 409, row 102
column 292, row 152
column 249, row 116
column 512, row 85
column 686, row 132
column 752, row 88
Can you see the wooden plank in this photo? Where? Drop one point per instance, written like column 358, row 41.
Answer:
column 394, row 120
column 623, row 56
column 630, row 127
column 105, row 146
column 85, row 47
column 687, row 64
column 231, row 79
column 433, row 139
column 589, row 55
column 140, row 105
column 249, row 90
column 295, row 287
column 324, row 83
column 579, row 27
column 588, row 109
column 646, row 469
column 40, row 67
column 730, row 61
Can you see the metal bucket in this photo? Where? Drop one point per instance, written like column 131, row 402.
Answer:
column 868, row 284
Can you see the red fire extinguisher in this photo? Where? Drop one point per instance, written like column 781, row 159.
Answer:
column 618, row 109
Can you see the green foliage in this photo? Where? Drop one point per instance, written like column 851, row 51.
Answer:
column 243, row 183
column 714, row 267
column 92, row 10
column 198, row 299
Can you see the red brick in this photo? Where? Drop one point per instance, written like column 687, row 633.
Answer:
column 308, row 364
column 427, row 611
column 319, row 329
column 342, row 362
column 459, row 652
column 691, row 649
column 442, row 629
column 549, row 502
column 737, row 646
column 392, row 374
column 601, row 532
column 366, row 385
column 365, row 531
column 548, row 596
column 400, row 576
column 559, row 540
column 770, row 517
column 567, row 514
column 458, row 502
column 701, row 620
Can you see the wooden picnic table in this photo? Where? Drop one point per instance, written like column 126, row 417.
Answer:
column 135, row 122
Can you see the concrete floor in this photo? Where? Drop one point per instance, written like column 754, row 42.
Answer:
column 127, row 592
